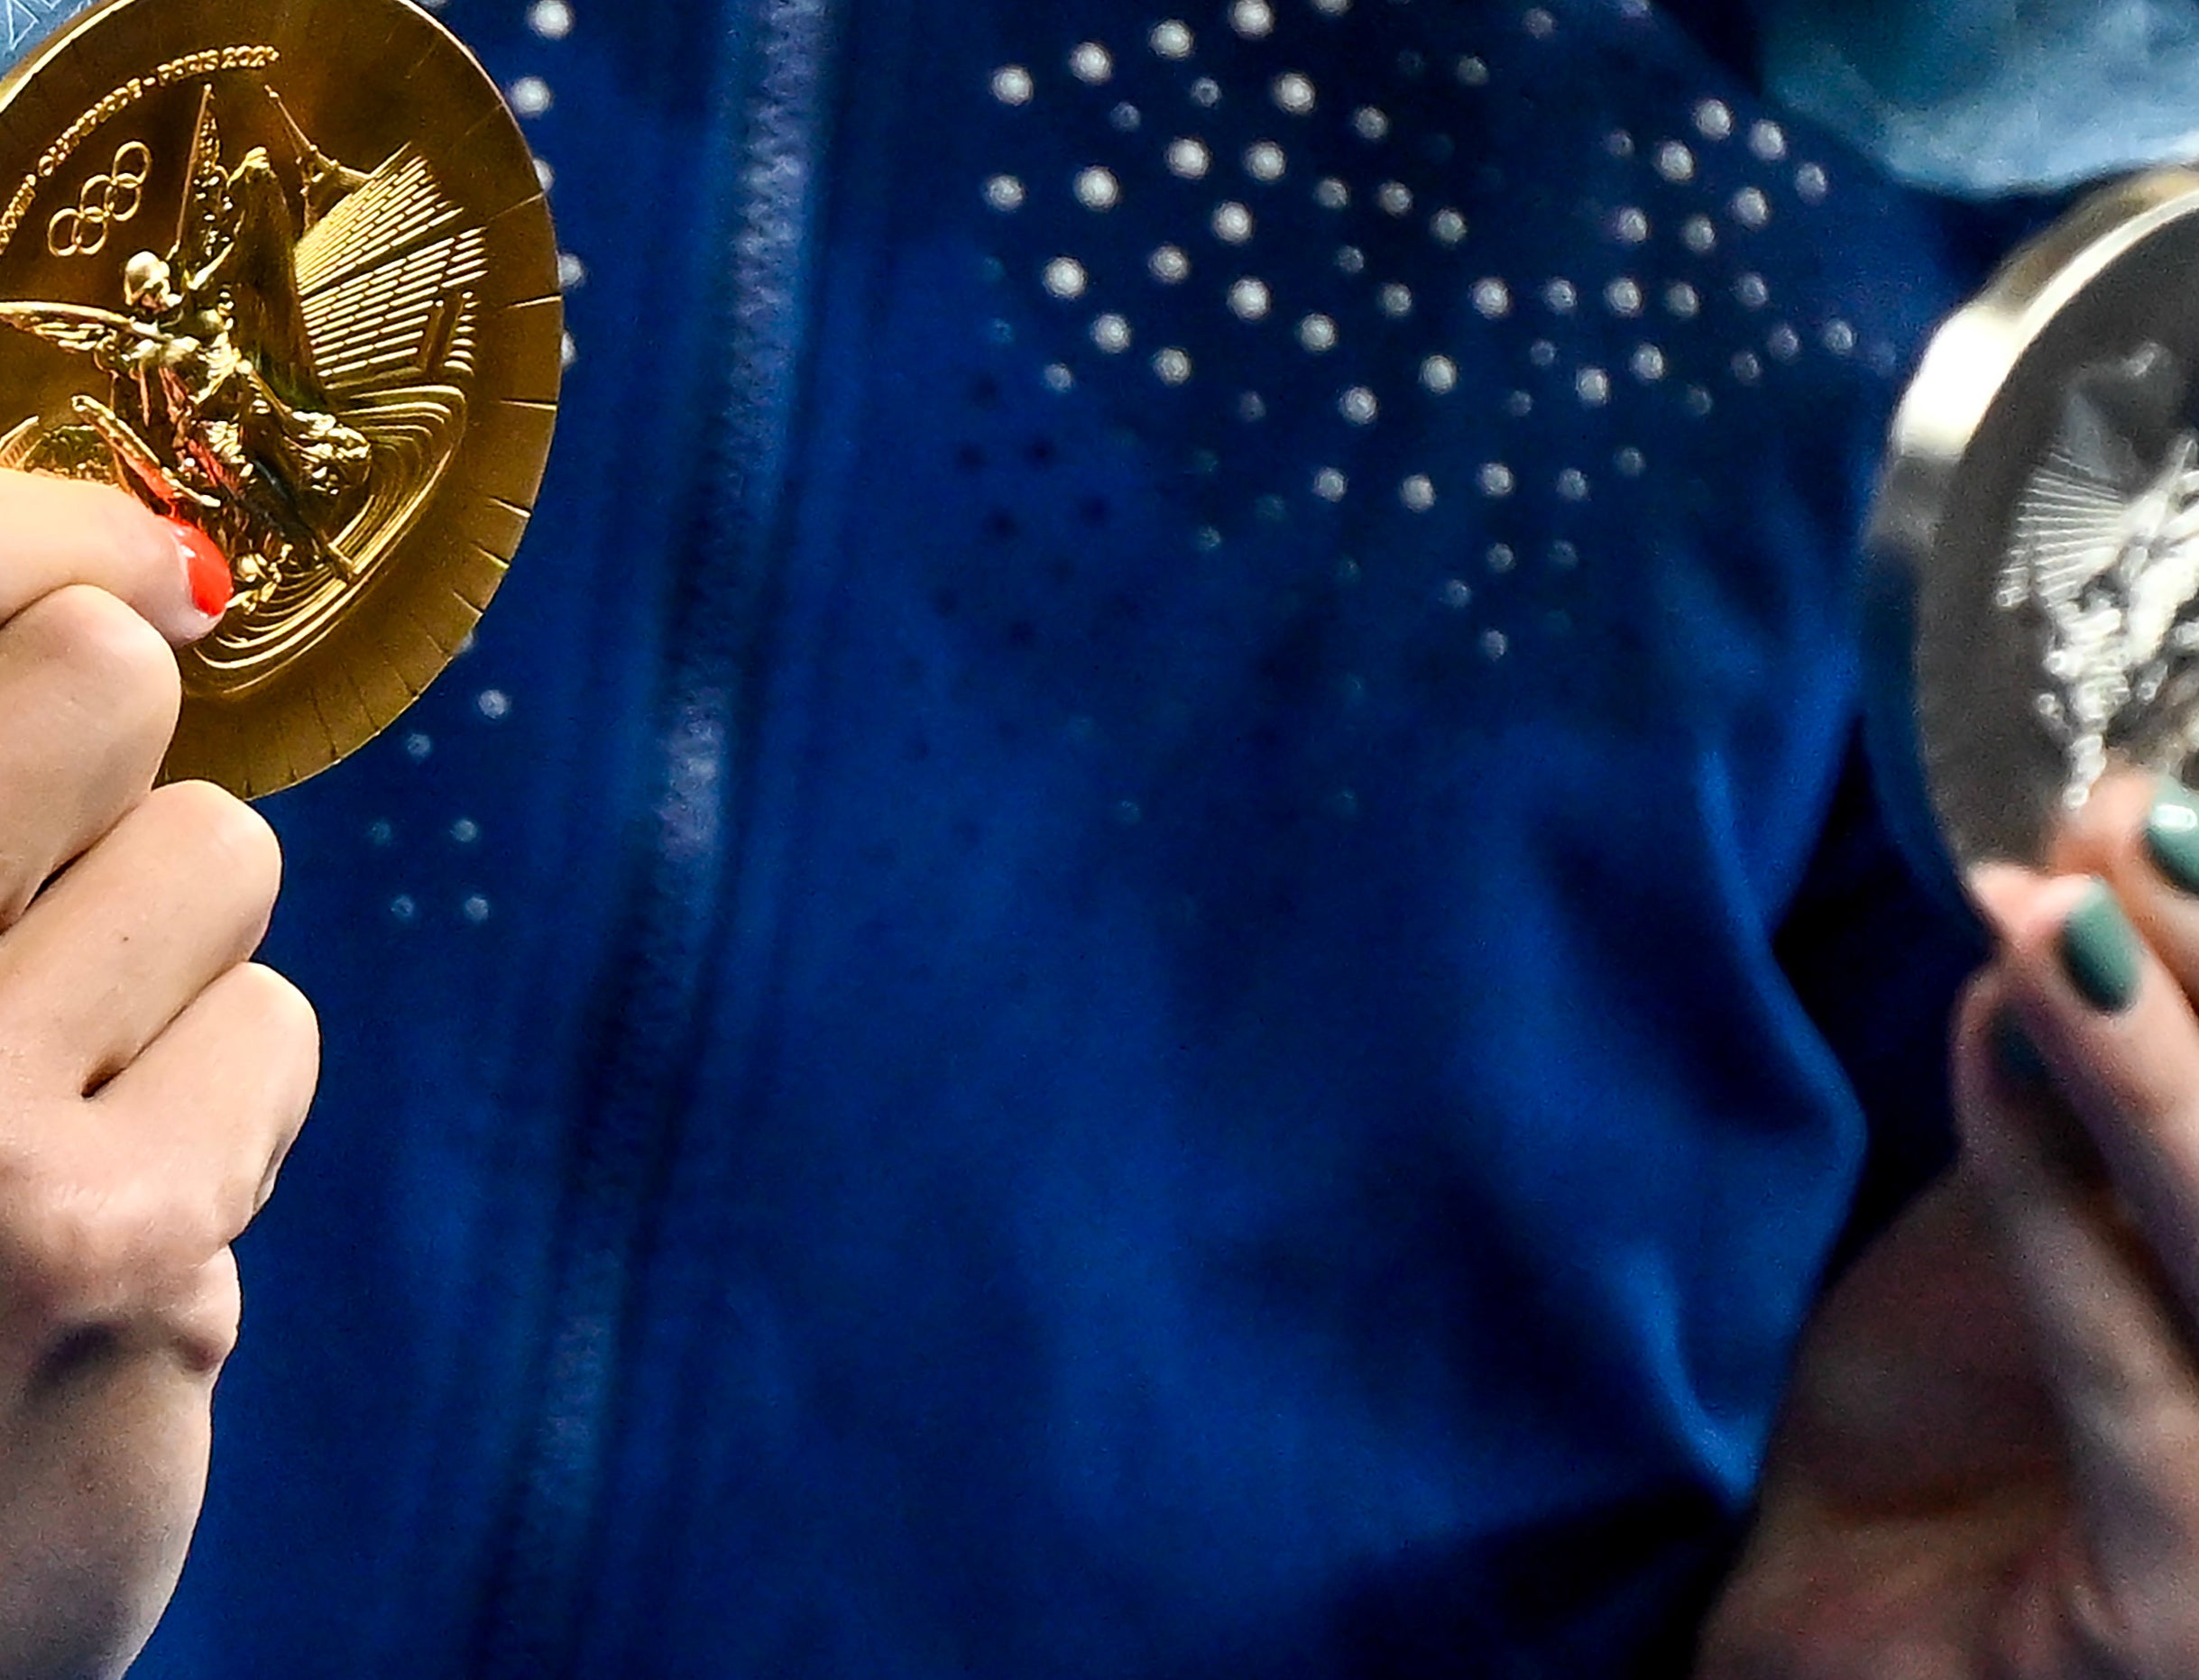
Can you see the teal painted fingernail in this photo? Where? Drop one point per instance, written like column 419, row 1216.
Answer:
column 2020, row 1063
column 2172, row 834
column 2099, row 950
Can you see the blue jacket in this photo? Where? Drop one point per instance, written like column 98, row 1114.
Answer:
column 1146, row 942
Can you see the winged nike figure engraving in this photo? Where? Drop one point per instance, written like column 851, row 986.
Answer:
column 2105, row 551
column 291, row 377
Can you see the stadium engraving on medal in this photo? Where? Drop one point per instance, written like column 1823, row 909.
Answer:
column 2039, row 519
column 282, row 268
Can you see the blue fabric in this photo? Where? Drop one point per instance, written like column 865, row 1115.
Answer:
column 1043, row 1008
column 1991, row 96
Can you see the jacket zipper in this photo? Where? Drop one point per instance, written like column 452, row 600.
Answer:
column 627, row 1134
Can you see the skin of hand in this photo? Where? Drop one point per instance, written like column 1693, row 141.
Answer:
column 151, row 1079
column 1988, row 1465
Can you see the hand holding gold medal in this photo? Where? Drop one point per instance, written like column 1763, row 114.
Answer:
column 281, row 270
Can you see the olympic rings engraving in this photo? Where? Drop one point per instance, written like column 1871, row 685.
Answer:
column 104, row 203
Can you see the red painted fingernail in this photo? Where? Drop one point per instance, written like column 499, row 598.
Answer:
column 206, row 566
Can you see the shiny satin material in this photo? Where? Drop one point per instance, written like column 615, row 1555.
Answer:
column 1993, row 96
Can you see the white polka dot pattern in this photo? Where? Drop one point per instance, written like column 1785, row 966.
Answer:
column 1231, row 138
column 550, row 24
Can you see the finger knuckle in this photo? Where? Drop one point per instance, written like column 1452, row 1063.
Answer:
column 204, row 1324
column 67, row 1254
column 136, row 1259
column 288, row 1032
column 287, row 1028
column 123, row 675
column 287, row 1012
column 234, row 842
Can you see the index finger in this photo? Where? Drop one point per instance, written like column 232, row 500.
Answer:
column 2120, row 1033
column 55, row 532
column 2112, row 1344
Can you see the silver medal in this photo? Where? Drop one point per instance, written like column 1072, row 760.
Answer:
column 2036, row 530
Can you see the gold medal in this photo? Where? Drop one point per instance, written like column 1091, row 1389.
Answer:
column 2038, row 526
column 282, row 270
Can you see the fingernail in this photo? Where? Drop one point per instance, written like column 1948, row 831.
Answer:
column 205, row 566
column 2016, row 1057
column 2099, row 950
column 2172, row 834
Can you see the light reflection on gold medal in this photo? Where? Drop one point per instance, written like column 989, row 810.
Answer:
column 282, row 269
